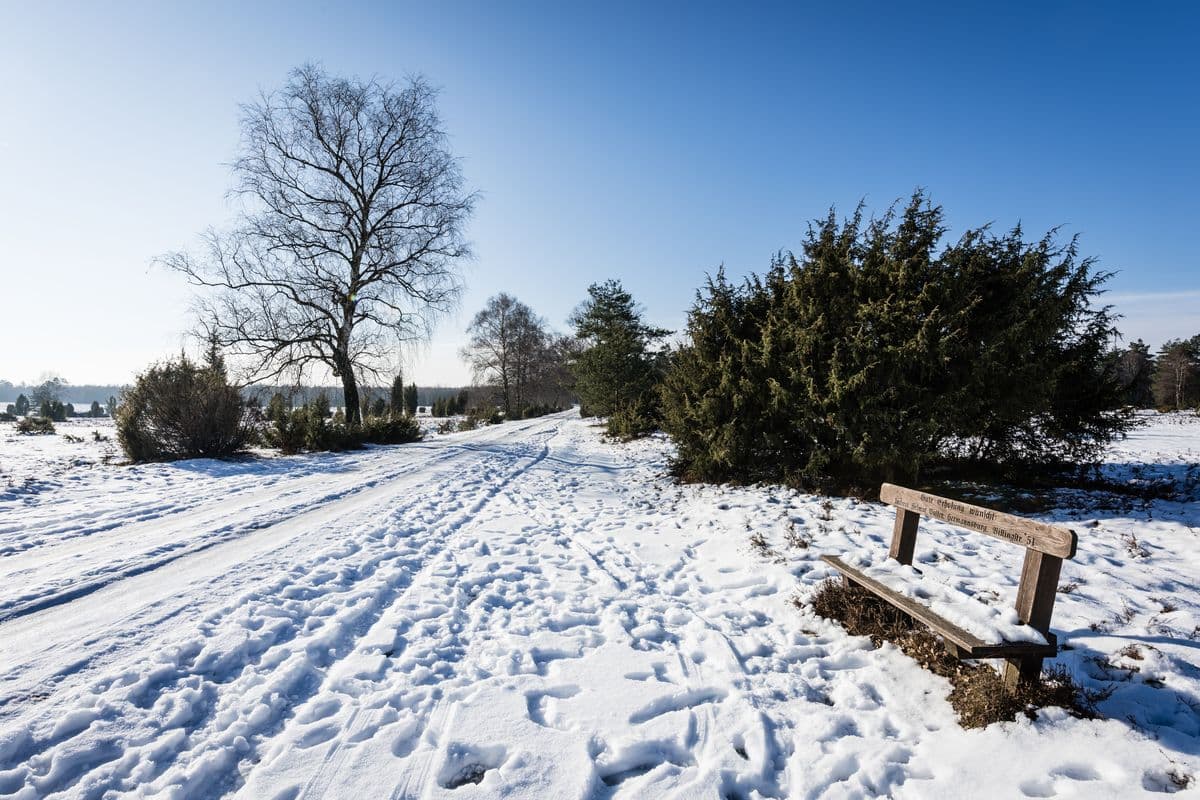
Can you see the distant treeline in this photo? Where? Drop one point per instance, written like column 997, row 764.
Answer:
column 85, row 393
column 303, row 395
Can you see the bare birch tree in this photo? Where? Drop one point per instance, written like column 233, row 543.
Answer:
column 507, row 338
column 350, row 234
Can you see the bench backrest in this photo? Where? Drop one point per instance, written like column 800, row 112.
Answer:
column 1045, row 545
column 1049, row 539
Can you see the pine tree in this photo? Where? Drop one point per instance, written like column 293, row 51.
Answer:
column 379, row 407
column 396, row 400
column 22, row 405
column 320, row 405
column 95, row 410
column 112, row 406
column 278, row 408
column 214, row 361
column 410, row 399
column 1134, row 369
column 618, row 372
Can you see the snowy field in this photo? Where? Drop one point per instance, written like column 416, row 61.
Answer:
column 526, row 611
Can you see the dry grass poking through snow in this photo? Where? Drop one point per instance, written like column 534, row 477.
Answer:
column 978, row 695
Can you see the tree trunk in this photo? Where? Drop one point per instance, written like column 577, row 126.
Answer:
column 350, row 393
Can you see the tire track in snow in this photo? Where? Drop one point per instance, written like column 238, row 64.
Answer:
column 453, row 631
column 190, row 660
column 193, row 530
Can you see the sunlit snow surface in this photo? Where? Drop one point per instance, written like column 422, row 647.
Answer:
column 527, row 611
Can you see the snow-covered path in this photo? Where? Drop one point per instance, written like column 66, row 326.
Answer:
column 520, row 611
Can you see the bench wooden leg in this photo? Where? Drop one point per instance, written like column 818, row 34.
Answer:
column 1035, row 604
column 904, row 535
column 1021, row 671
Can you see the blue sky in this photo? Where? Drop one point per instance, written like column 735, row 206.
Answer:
column 649, row 142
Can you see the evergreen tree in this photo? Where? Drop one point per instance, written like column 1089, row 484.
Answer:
column 52, row 410
column 47, row 391
column 379, row 407
column 396, row 403
column 95, row 410
column 873, row 356
column 320, row 405
column 112, row 406
column 1134, row 369
column 724, row 404
column 22, row 406
column 410, row 399
column 214, row 361
column 617, row 372
column 278, row 408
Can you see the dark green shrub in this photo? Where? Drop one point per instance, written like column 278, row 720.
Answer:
column 633, row 421
column 286, row 428
column 306, row 430
column 410, row 400
column 178, row 409
column 35, row 425
column 484, row 415
column 876, row 356
column 53, row 410
column 396, row 398
column 390, row 430
column 535, row 410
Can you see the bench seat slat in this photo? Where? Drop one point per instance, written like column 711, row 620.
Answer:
column 969, row 645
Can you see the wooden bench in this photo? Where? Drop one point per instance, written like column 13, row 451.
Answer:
column 1045, row 548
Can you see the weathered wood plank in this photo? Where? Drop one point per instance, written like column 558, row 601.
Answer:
column 904, row 535
column 1050, row 539
column 967, row 644
column 1038, row 588
column 1018, row 671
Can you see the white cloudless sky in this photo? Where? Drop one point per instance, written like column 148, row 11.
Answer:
column 645, row 142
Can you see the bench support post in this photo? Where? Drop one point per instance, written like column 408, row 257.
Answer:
column 904, row 536
column 1035, row 604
